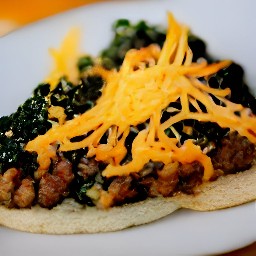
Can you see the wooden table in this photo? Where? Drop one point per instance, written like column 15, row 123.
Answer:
column 15, row 13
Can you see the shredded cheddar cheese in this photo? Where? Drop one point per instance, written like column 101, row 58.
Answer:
column 65, row 59
column 148, row 81
column 58, row 113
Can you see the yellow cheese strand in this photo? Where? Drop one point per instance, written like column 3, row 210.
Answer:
column 65, row 59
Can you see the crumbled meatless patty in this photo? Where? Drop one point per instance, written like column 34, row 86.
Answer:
column 121, row 189
column 63, row 169
column 8, row 181
column 87, row 167
column 164, row 183
column 236, row 153
column 190, row 175
column 53, row 187
column 169, row 180
column 25, row 194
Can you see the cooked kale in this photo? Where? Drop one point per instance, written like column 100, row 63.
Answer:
column 128, row 36
column 135, row 36
column 80, row 193
column 29, row 121
column 87, row 93
column 5, row 124
column 10, row 151
column 31, row 118
column 77, row 99
column 42, row 89
column 84, row 63
column 233, row 77
column 60, row 96
column 198, row 47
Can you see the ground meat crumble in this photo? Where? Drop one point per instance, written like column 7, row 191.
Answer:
column 235, row 153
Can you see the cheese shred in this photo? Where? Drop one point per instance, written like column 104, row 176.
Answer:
column 65, row 59
column 139, row 92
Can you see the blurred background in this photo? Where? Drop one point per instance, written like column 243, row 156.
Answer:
column 17, row 13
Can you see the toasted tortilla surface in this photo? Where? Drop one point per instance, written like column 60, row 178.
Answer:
column 71, row 217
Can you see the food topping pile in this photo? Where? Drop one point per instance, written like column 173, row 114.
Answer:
column 153, row 115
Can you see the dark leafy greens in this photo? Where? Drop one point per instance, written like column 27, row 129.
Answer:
column 30, row 120
column 128, row 36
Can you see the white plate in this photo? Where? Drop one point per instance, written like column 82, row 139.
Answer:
column 228, row 27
